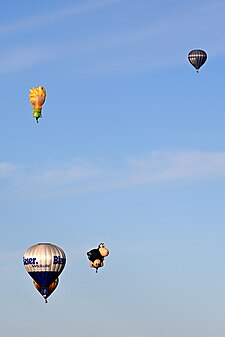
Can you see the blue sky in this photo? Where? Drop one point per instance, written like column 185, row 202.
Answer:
column 130, row 151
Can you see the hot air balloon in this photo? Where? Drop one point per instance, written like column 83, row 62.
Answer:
column 37, row 99
column 44, row 262
column 97, row 255
column 197, row 58
column 49, row 290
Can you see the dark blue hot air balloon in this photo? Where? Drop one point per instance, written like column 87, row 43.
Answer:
column 197, row 58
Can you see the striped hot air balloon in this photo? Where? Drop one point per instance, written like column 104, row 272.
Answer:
column 44, row 262
column 197, row 58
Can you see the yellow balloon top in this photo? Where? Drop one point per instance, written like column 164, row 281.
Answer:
column 37, row 96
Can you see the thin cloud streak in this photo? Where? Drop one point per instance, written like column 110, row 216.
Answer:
column 53, row 17
column 77, row 177
column 23, row 58
column 8, row 169
column 134, row 45
column 10, row 264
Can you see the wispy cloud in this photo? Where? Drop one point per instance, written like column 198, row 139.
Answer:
column 53, row 17
column 8, row 169
column 22, row 58
column 135, row 43
column 76, row 177
column 11, row 262
column 169, row 166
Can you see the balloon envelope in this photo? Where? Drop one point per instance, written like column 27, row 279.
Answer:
column 44, row 262
column 37, row 99
column 94, row 254
column 197, row 58
column 97, row 255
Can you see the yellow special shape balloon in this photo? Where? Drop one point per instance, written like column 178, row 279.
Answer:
column 37, row 99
